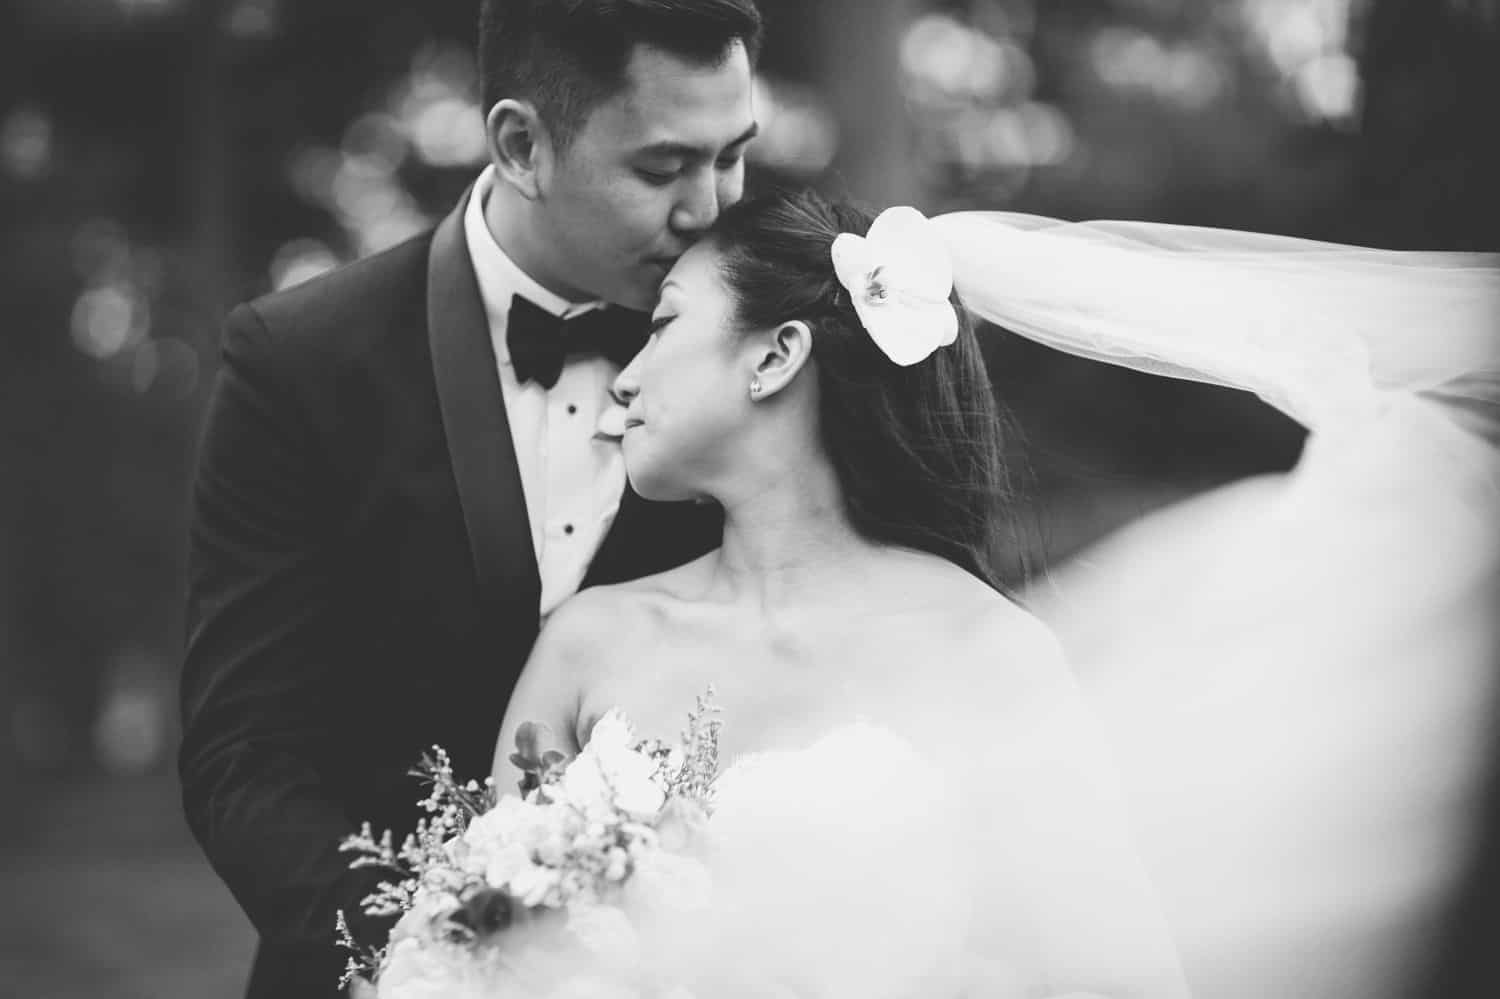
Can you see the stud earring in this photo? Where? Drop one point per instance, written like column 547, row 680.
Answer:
column 755, row 386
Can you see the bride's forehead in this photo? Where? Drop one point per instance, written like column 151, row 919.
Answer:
column 695, row 273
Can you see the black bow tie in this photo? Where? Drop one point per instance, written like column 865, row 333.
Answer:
column 540, row 342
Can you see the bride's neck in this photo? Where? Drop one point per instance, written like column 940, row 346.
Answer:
column 787, row 537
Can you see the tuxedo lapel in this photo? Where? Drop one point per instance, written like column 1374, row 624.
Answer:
column 477, row 429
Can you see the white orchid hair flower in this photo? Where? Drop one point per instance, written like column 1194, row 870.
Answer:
column 899, row 276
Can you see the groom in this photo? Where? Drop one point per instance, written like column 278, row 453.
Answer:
column 398, row 478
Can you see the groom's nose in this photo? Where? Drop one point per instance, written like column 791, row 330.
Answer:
column 700, row 204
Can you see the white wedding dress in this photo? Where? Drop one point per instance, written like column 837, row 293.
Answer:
column 836, row 872
column 861, row 867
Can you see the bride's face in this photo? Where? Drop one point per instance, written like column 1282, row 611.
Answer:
column 688, row 388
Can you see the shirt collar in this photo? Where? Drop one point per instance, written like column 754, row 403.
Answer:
column 499, row 276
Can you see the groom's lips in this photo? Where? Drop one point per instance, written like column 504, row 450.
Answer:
column 633, row 423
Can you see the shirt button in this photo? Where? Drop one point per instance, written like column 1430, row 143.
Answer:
column 567, row 528
column 572, row 409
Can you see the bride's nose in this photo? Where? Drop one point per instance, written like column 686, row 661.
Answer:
column 627, row 383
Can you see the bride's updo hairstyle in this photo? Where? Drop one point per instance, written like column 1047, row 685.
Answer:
column 918, row 450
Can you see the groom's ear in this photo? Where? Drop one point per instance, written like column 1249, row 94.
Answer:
column 518, row 145
column 781, row 356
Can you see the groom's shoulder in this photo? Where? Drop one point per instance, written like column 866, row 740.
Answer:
column 367, row 284
column 379, row 291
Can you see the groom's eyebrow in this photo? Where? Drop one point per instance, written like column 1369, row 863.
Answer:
column 688, row 151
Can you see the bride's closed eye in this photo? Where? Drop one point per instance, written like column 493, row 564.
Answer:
column 659, row 322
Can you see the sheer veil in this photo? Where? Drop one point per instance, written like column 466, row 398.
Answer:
column 1313, row 328
column 1294, row 674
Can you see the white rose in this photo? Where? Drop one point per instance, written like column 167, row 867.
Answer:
column 628, row 777
column 637, row 792
column 582, row 786
column 600, row 783
column 612, row 731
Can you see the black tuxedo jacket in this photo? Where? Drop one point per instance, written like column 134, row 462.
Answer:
column 362, row 582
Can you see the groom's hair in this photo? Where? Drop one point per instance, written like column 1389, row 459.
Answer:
column 919, row 451
column 568, row 56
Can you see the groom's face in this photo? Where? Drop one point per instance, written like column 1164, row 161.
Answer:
column 647, row 172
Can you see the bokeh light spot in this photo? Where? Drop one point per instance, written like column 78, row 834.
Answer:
column 799, row 134
column 301, row 260
column 107, row 319
column 26, row 143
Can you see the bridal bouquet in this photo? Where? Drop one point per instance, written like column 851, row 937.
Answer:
column 540, row 894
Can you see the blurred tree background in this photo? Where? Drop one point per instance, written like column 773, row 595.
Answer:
column 161, row 160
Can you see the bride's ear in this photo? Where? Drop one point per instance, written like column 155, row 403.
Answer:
column 782, row 355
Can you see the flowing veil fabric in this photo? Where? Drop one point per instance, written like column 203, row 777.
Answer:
column 1313, row 328
column 1294, row 673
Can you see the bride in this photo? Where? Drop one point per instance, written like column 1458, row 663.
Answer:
column 856, row 454
column 918, row 798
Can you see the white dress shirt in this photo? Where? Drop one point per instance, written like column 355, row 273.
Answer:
column 572, row 482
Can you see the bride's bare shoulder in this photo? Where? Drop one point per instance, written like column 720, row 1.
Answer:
column 603, row 618
column 983, row 623
column 1006, row 639
column 978, row 609
column 1022, row 636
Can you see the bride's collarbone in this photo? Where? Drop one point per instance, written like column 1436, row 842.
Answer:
column 789, row 671
column 878, row 606
column 798, row 643
column 791, row 681
column 877, row 649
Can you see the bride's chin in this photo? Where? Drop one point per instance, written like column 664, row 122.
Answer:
column 656, row 488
